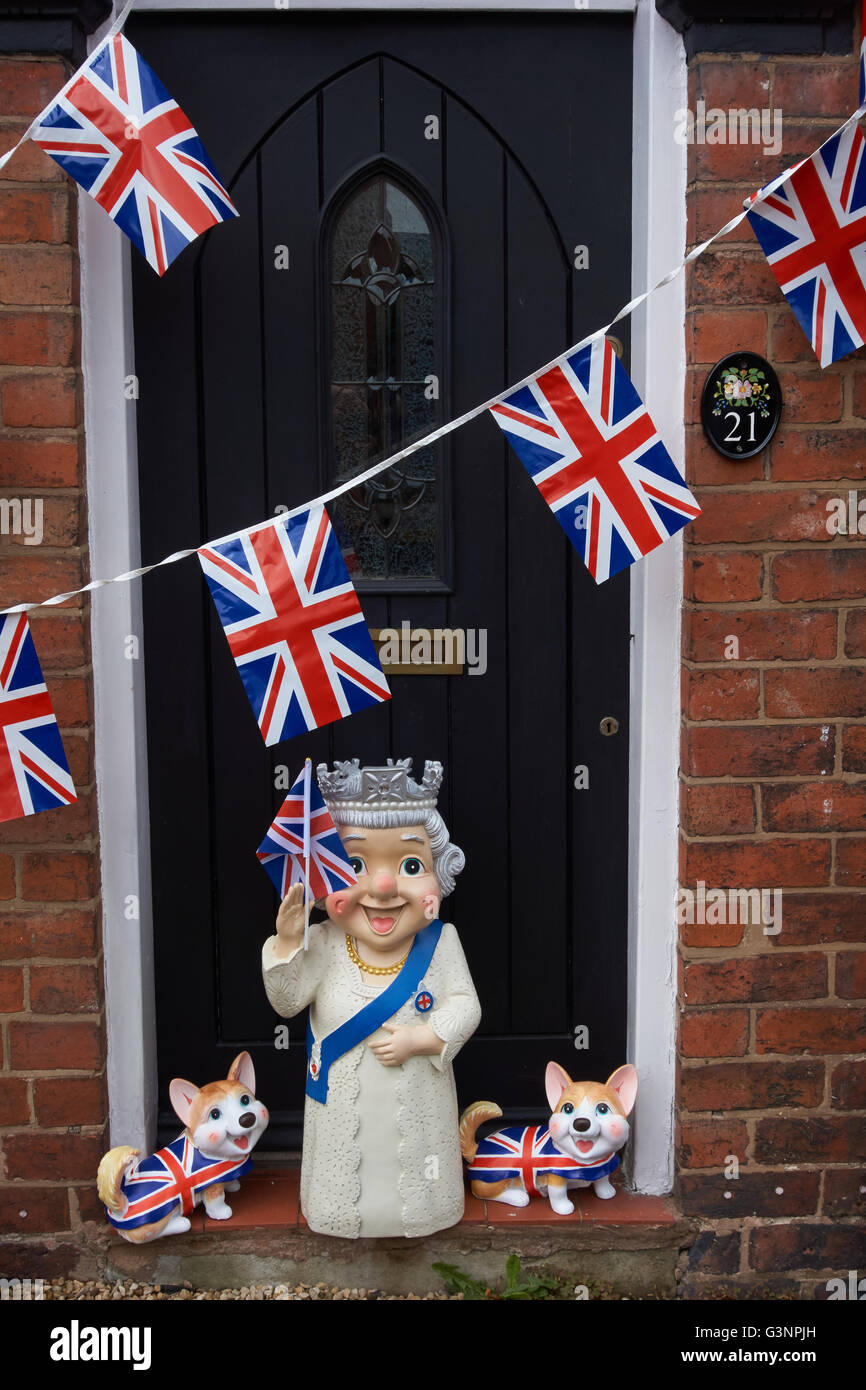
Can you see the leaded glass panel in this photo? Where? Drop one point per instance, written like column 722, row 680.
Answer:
column 385, row 369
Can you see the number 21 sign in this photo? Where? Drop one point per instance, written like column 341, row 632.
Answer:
column 741, row 405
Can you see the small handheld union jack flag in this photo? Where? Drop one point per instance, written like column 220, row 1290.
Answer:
column 303, row 845
column 34, row 773
column 812, row 230
column 115, row 129
column 589, row 445
column 294, row 624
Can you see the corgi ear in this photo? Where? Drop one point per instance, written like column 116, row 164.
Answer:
column 183, row 1094
column 555, row 1082
column 624, row 1082
column 242, row 1070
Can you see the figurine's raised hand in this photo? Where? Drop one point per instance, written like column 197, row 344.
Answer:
column 290, row 921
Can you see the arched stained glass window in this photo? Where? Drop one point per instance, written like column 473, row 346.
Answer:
column 383, row 263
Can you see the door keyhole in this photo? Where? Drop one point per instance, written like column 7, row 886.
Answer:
column 609, row 725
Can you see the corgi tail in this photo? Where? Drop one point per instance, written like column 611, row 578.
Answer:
column 110, row 1175
column 473, row 1116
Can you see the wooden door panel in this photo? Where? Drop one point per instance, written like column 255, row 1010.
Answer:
column 536, row 576
column 478, row 772
column 407, row 100
column 289, row 170
column 233, row 424
column 351, row 124
column 232, row 435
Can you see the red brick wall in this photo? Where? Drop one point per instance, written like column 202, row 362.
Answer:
column 773, row 1028
column 52, row 1106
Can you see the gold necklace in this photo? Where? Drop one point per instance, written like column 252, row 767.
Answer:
column 372, row 969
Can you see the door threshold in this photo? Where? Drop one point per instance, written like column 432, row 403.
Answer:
column 271, row 1197
column 631, row 1244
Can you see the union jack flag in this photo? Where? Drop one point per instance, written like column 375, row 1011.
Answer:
column 812, row 229
column 34, row 773
column 529, row 1154
column 175, row 1175
column 115, row 129
column 589, row 445
column 294, row 624
column 303, row 846
column 863, row 54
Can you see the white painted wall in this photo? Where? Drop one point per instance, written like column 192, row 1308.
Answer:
column 119, row 722
column 658, row 365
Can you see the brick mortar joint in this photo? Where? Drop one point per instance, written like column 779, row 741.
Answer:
column 749, row 950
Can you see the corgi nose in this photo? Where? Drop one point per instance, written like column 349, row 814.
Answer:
column 580, row 1125
column 247, row 1121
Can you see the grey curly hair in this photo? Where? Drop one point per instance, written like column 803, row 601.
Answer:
column 341, row 788
column 448, row 858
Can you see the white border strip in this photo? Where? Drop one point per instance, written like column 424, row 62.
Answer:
column 658, row 368
column 120, row 743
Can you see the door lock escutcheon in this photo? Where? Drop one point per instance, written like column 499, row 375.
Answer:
column 609, row 725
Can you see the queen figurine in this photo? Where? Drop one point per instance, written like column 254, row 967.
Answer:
column 391, row 1003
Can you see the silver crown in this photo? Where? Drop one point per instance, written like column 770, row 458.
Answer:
column 356, row 788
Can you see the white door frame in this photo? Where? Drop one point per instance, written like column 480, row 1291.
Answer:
column 658, row 366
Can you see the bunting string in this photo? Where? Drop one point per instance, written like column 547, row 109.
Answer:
column 432, row 437
column 115, row 29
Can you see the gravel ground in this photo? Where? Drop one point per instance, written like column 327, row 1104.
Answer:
column 128, row 1289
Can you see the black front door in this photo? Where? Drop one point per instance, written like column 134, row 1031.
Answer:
column 414, row 192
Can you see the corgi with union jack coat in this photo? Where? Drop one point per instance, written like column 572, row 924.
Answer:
column 579, row 1145
column 154, row 1196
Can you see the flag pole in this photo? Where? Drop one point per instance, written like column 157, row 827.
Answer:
column 308, row 769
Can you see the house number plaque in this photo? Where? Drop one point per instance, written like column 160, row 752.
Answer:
column 741, row 405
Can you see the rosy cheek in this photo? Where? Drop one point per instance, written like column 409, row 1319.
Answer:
column 264, row 1113
column 614, row 1130
column 213, row 1137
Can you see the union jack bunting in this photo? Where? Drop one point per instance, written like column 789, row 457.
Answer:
column 115, row 129
column 34, row 773
column 294, row 624
column 303, row 846
column 812, row 229
column 589, row 445
column 173, row 1178
column 862, row 54
column 529, row 1153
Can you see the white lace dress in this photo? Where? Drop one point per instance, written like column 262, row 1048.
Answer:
column 382, row 1156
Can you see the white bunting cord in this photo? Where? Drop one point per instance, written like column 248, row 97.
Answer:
column 115, row 29
column 443, row 430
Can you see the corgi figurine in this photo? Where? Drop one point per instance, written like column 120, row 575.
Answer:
column 150, row 1197
column 578, row 1146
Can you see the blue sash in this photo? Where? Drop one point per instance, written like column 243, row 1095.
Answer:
column 374, row 1014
